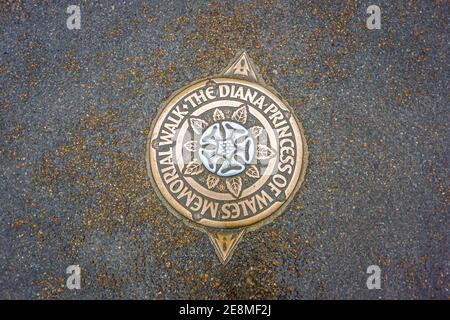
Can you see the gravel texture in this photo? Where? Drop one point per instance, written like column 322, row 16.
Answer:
column 76, row 107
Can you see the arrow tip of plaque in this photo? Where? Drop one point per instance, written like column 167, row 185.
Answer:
column 225, row 243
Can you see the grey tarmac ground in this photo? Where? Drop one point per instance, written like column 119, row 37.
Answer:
column 76, row 108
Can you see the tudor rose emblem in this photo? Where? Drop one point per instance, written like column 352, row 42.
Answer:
column 226, row 154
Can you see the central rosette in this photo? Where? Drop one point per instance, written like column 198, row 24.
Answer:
column 226, row 148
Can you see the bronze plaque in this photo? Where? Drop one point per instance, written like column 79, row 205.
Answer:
column 226, row 154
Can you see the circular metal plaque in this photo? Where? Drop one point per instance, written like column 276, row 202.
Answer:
column 226, row 154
